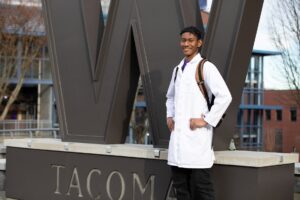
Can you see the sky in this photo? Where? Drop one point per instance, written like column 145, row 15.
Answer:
column 273, row 78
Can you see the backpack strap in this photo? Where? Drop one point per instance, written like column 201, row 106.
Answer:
column 200, row 82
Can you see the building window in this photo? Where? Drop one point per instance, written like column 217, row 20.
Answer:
column 268, row 115
column 279, row 115
column 293, row 111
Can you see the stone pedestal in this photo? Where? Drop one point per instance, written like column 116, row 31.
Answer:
column 50, row 169
column 254, row 175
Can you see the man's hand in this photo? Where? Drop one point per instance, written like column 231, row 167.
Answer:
column 170, row 123
column 197, row 123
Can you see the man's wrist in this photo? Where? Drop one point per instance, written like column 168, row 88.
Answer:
column 206, row 122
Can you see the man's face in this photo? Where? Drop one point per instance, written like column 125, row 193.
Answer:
column 190, row 44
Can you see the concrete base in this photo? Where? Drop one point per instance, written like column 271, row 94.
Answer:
column 37, row 174
column 40, row 169
column 250, row 183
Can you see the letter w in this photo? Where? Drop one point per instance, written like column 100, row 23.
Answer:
column 96, row 68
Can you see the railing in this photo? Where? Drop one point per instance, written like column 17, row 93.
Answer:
column 28, row 128
column 31, row 132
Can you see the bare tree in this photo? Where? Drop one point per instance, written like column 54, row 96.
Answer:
column 285, row 32
column 21, row 42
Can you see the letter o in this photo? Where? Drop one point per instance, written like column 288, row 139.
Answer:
column 122, row 185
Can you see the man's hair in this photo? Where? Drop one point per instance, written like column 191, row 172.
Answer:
column 193, row 30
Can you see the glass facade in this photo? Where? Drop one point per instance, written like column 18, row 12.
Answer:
column 250, row 132
column 250, row 115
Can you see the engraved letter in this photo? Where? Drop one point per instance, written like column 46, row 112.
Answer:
column 171, row 192
column 88, row 182
column 122, row 185
column 57, row 191
column 75, row 185
column 142, row 189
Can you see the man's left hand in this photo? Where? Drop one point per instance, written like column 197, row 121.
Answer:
column 197, row 123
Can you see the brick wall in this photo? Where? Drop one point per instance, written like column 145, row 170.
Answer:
column 281, row 135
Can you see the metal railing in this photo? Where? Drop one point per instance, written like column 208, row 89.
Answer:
column 32, row 132
column 28, row 128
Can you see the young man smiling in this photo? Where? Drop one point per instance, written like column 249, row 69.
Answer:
column 190, row 121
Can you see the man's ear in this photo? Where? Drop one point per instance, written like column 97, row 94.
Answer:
column 199, row 43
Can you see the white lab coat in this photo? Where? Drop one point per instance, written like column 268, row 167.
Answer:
column 193, row 148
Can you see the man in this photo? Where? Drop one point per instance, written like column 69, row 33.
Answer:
column 190, row 121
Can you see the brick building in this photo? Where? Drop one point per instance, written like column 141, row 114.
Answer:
column 281, row 126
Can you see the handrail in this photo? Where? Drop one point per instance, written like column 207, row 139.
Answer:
column 30, row 131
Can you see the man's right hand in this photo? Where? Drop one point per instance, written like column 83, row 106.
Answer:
column 170, row 123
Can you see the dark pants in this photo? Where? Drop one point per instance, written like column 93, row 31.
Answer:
column 192, row 184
